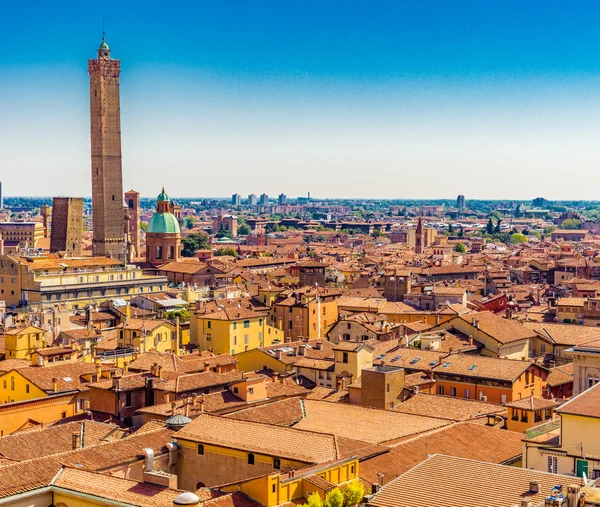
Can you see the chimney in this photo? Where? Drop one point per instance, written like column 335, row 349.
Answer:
column 206, row 367
column 149, row 459
column 534, row 486
column 76, row 440
column 339, row 384
column 275, row 377
column 173, row 408
column 302, row 350
column 201, row 403
column 55, row 384
column 526, row 503
column 159, row 371
column 99, row 370
column 194, row 399
column 116, row 380
column 574, row 495
column 471, row 340
column 278, row 354
column 187, row 407
column 318, row 346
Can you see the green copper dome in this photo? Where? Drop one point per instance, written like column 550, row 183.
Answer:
column 163, row 223
column 163, row 196
column 104, row 45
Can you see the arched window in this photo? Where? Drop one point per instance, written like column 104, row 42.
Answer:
column 250, row 459
column 200, row 448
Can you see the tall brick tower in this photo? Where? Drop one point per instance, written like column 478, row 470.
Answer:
column 107, row 178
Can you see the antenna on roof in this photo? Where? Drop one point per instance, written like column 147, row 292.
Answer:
column 103, row 33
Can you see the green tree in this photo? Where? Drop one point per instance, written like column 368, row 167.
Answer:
column 308, row 239
column 518, row 213
column 450, row 228
column 495, row 214
column 354, row 493
column 193, row 242
column 224, row 232
column 461, row 232
column 377, row 233
column 497, row 228
column 183, row 314
column 460, row 248
column 550, row 229
column 226, row 251
column 489, row 228
column 335, row 498
column 571, row 223
column 517, row 239
column 144, row 226
column 244, row 229
column 189, row 222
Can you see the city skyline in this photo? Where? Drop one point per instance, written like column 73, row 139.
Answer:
column 360, row 103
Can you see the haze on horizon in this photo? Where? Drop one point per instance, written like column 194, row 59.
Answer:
column 411, row 99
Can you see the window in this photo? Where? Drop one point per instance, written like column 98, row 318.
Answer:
column 524, row 417
column 26, row 388
column 537, row 416
column 250, row 459
column 352, row 469
column 64, row 415
column 208, row 337
column 128, row 399
column 12, row 383
column 4, row 384
column 235, row 326
column 440, row 389
column 276, row 464
column 208, row 325
column 201, row 449
column 453, row 391
column 246, row 323
column 503, row 399
column 467, row 393
column 548, row 414
column 388, row 388
column 251, row 390
column 515, row 414
column 260, row 322
column 273, row 488
column 344, row 357
column 527, row 378
column 171, row 252
column 552, row 465
column 246, row 338
column 159, row 252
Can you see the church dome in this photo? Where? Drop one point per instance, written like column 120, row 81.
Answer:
column 163, row 197
column 163, row 223
column 104, row 45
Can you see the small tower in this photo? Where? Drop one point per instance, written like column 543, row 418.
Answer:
column 163, row 235
column 132, row 200
column 420, row 238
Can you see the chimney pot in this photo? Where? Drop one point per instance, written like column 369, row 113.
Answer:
column 534, row 486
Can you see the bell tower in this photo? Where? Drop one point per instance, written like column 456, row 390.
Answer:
column 107, row 178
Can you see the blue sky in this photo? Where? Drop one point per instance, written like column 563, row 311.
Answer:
column 395, row 99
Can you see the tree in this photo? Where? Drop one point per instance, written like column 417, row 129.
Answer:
column 518, row 211
column 144, row 226
column 489, row 228
column 308, row 239
column 193, row 242
column 377, row 233
column 497, row 228
column 571, row 223
column 461, row 233
column 450, row 228
column 496, row 214
column 354, row 493
column 226, row 251
column 460, row 248
column 517, row 239
column 183, row 314
column 224, row 232
column 244, row 229
column 351, row 496
column 189, row 222
column 550, row 229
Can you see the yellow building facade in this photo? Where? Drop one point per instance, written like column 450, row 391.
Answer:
column 20, row 343
column 232, row 332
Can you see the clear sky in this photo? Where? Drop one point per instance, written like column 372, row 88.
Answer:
column 388, row 99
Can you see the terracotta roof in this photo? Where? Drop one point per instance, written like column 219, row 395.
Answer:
column 465, row 440
column 412, row 358
column 448, row 407
column 467, row 483
column 361, row 423
column 560, row 375
column 40, row 442
column 193, row 381
column 502, row 330
column 532, row 403
column 280, row 413
column 564, row 334
column 471, row 365
column 586, row 404
column 68, row 375
column 306, row 446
